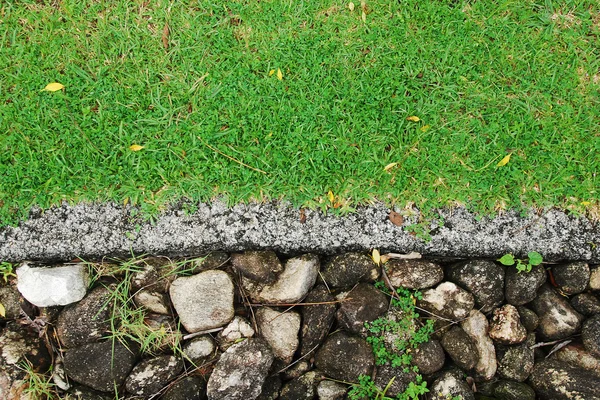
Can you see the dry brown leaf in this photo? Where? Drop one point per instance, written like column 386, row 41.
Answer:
column 2, row 311
column 165, row 36
column 396, row 218
column 271, row 72
column 302, row 216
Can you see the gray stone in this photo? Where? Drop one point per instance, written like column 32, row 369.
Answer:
column 345, row 357
column 203, row 301
column 461, row 348
column 102, row 365
column 241, row 371
column 586, row 304
column 571, row 278
column 449, row 385
column 558, row 320
column 189, row 388
column 429, row 357
column 262, row 266
column 509, row 390
column 213, row 260
column 529, row 319
column 238, row 328
column 476, row 326
column 590, row 335
column 199, row 349
column 295, row 370
column 52, row 286
column 577, row 356
column 18, row 345
column 484, row 279
column 149, row 376
column 346, row 270
column 301, row 388
column 413, row 274
column 88, row 320
column 552, row 379
column 447, row 301
column 330, row 390
column 155, row 302
column 271, row 388
column 316, row 319
column 521, row 287
column 155, row 274
column 594, row 277
column 516, row 362
column 280, row 331
column 12, row 302
column 506, row 327
column 364, row 303
column 402, row 377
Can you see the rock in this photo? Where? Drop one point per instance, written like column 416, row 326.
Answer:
column 402, row 377
column 316, row 319
column 346, row 270
column 102, row 365
column 150, row 376
column 429, row 357
column 572, row 278
column 271, row 388
column 52, row 286
column 12, row 302
column 345, row 357
column 263, row 266
column 189, row 388
column 586, row 304
column 280, row 331
column 413, row 274
column 214, row 260
column 296, row 370
column 558, row 320
column 81, row 392
column 155, row 302
column 237, row 329
column 552, row 379
column 18, row 345
column 362, row 304
column 88, row 320
column 509, row 390
column 241, row 371
column 203, row 301
column 594, row 277
column 447, row 301
column 484, row 279
column 590, row 335
column 330, row 390
column 516, row 362
column 506, row 326
column 301, row 388
column 448, row 385
column 577, row 356
column 476, row 326
column 461, row 348
column 151, row 276
column 199, row 349
column 521, row 287
column 529, row 319
column 298, row 277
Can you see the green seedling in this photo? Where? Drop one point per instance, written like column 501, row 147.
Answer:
column 7, row 271
column 533, row 258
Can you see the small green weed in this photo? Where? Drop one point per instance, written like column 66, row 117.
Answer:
column 7, row 271
column 533, row 258
column 38, row 385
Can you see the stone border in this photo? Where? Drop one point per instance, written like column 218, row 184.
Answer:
column 93, row 231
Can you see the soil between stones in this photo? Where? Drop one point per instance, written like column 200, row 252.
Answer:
column 259, row 325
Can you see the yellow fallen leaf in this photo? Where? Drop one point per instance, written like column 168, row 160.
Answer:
column 279, row 74
column 504, row 161
column 376, row 257
column 271, row 72
column 330, row 196
column 2, row 311
column 586, row 203
column 425, row 128
column 135, row 147
column 53, row 87
column 389, row 166
column 413, row 118
column 351, row 6
column 364, row 16
column 125, row 201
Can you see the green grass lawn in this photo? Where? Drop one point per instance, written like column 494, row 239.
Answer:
column 485, row 78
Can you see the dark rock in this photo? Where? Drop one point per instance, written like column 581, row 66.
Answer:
column 413, row 274
column 345, row 357
column 558, row 320
column 249, row 362
column 316, row 319
column 346, row 270
column 301, row 388
column 461, row 348
column 506, row 327
column 429, row 357
column 362, row 304
column 449, row 385
column 476, row 326
column 516, row 362
column 296, row 370
column 447, row 301
column 101, row 365
column 402, row 378
column 572, row 278
column 577, row 356
column 150, row 376
column 154, row 275
column 271, row 388
column 590, row 335
column 263, row 266
column 214, row 260
column 529, row 319
column 189, row 388
column 12, row 301
column 556, row 380
column 80, row 392
column 521, row 287
column 586, row 304
column 484, row 279
column 88, row 320
column 509, row 390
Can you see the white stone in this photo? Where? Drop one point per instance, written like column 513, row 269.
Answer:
column 237, row 329
column 199, row 348
column 476, row 326
column 53, row 286
column 298, row 277
column 203, row 301
column 280, row 331
column 155, row 302
column 330, row 390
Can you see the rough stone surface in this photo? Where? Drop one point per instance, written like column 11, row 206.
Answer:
column 413, row 274
column 484, row 279
column 529, row 318
column 515, row 362
column 52, row 286
column 401, row 376
column 237, row 329
column 345, row 357
column 590, row 335
column 448, row 301
column 330, row 390
column 506, row 327
column 241, row 371
column 364, row 303
column 263, row 266
column 11, row 300
column 594, row 277
column 189, row 388
column 510, row 390
column 203, row 301
column 280, row 331
column 571, row 278
column 199, row 349
column 552, row 379
column 476, row 326
column 271, row 388
column 461, row 348
column 577, row 356
column 301, row 388
column 316, row 319
column 152, row 301
column 429, row 357
column 586, row 304
column 520, row 287
column 346, row 270
column 100, row 365
column 558, row 320
column 150, row 376
column 448, row 385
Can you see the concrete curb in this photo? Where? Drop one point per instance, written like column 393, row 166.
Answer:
column 93, row 231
